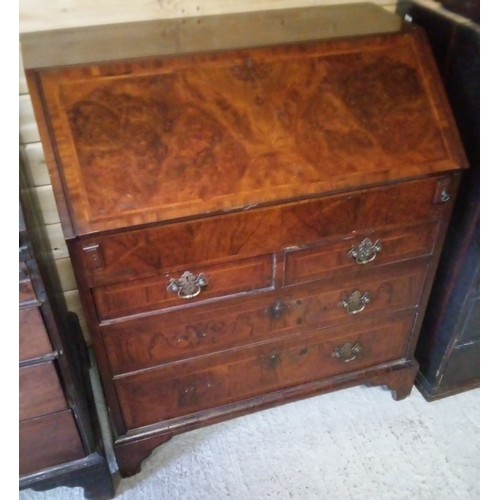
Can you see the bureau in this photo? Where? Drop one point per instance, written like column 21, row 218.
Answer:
column 254, row 205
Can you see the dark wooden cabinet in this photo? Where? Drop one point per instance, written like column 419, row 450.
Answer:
column 59, row 436
column 254, row 205
column 449, row 347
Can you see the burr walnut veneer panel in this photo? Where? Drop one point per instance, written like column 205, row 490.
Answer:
column 253, row 215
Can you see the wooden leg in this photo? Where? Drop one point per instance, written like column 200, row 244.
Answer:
column 129, row 456
column 90, row 473
column 399, row 381
column 100, row 486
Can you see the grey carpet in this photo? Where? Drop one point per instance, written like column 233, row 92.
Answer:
column 355, row 444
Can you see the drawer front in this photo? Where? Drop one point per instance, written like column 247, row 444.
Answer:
column 33, row 338
column 186, row 388
column 132, row 297
column 147, row 252
column 149, row 342
column 48, row 441
column 367, row 250
column 40, row 392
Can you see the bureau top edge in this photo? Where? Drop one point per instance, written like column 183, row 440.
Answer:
column 169, row 37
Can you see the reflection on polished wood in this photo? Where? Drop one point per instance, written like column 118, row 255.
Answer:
column 211, row 132
column 257, row 160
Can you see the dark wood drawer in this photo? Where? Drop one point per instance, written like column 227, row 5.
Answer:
column 40, row 391
column 371, row 249
column 149, row 294
column 148, row 252
column 48, row 441
column 33, row 338
column 185, row 388
column 147, row 342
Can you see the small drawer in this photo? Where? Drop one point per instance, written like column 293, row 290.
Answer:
column 141, row 253
column 185, row 388
column 40, row 392
column 173, row 288
column 164, row 338
column 365, row 250
column 47, row 441
column 33, row 339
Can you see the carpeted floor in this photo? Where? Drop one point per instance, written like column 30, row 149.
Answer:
column 356, row 444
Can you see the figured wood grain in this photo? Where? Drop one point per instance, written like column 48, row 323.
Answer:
column 232, row 131
column 205, row 157
column 181, row 389
column 224, row 280
column 137, row 444
column 148, row 252
column 329, row 259
column 149, row 342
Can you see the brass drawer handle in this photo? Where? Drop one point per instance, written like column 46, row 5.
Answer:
column 355, row 303
column 347, row 352
column 188, row 285
column 365, row 252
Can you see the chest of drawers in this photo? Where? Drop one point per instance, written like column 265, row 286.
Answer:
column 60, row 441
column 254, row 205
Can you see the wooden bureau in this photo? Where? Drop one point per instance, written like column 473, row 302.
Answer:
column 254, row 205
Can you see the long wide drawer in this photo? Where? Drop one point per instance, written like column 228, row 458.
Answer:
column 185, row 388
column 146, row 342
column 142, row 253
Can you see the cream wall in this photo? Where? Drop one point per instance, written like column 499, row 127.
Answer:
column 40, row 15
